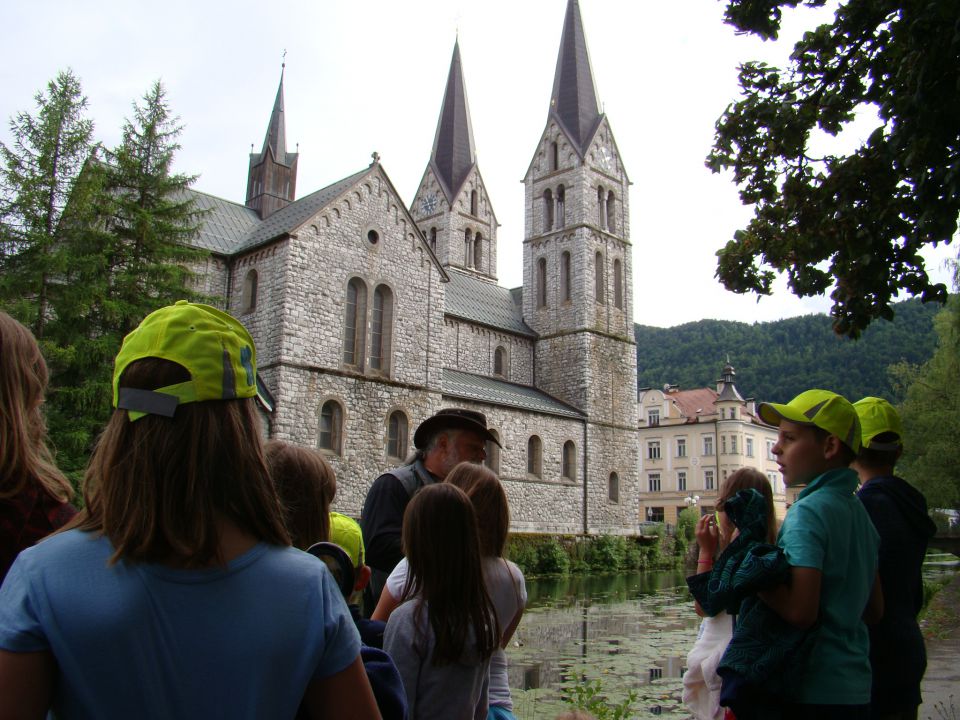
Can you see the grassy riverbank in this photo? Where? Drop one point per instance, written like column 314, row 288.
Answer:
column 544, row 555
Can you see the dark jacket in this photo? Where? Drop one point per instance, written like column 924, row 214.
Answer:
column 897, row 654
column 26, row 518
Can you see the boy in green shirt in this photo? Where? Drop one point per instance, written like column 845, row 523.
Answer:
column 831, row 547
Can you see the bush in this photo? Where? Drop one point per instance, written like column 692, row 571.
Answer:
column 687, row 523
column 552, row 559
column 561, row 555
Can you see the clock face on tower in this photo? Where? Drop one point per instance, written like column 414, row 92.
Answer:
column 428, row 203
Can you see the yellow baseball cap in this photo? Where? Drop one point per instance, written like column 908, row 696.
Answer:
column 820, row 408
column 345, row 532
column 877, row 417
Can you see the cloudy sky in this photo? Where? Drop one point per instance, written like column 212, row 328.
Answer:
column 369, row 75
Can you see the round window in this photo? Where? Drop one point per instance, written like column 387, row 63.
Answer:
column 373, row 237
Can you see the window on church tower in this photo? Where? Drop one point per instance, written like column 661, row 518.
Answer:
column 467, row 248
column 618, row 283
column 613, row 488
column 601, row 208
column 561, row 206
column 473, row 202
column 500, row 361
column 547, row 210
column 534, row 456
column 611, row 212
column 565, row 277
column 355, row 323
column 492, row 461
column 433, row 239
column 381, row 323
column 542, row 282
column 331, row 427
column 478, row 251
column 249, row 298
column 554, row 156
column 568, row 470
column 397, row 435
column 598, row 283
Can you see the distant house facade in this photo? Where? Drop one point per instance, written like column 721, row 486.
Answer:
column 691, row 440
column 370, row 314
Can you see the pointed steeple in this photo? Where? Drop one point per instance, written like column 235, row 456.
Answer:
column 454, row 154
column 574, row 99
column 272, row 174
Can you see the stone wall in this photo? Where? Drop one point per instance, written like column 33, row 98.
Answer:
column 470, row 348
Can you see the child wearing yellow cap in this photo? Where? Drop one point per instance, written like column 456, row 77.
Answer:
column 831, row 547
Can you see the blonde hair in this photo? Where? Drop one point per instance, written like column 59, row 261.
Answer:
column 24, row 455
column 157, row 487
column 306, row 485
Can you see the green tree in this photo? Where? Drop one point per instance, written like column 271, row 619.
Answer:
column 857, row 220
column 37, row 175
column 931, row 415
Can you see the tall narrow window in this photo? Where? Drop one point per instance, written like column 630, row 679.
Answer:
column 618, row 284
column 355, row 323
column 478, row 251
column 565, row 277
column 653, row 450
column 561, row 209
column 613, row 488
column 249, row 298
column 500, row 361
column 653, row 482
column 467, row 248
column 611, row 212
column 534, row 456
column 331, row 427
column 554, row 156
column 473, row 202
column 601, row 208
column 397, row 435
column 598, row 283
column 433, row 239
column 682, row 480
column 381, row 321
column 708, row 444
column 653, row 417
column 547, row 210
column 569, row 461
column 492, row 460
column 542, row 282
column 708, row 479
column 681, row 447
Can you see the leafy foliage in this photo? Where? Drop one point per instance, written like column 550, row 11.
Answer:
column 590, row 696
column 778, row 360
column 857, row 221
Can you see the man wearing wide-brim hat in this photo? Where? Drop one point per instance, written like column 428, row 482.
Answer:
column 451, row 436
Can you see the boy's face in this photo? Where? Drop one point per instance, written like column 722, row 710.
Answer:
column 800, row 453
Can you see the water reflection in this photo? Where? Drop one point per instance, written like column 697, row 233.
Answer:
column 632, row 632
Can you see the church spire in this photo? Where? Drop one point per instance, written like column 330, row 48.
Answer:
column 574, row 99
column 272, row 175
column 454, row 154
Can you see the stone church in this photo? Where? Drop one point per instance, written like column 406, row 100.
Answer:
column 370, row 313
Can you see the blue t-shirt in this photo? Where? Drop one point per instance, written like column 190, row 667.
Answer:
column 828, row 529
column 150, row 641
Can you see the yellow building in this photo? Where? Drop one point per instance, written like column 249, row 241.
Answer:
column 691, row 440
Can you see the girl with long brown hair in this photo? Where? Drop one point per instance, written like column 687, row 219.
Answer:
column 34, row 494
column 443, row 634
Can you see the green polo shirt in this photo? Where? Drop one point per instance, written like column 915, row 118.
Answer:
column 828, row 529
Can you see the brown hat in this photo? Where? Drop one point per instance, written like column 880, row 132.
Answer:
column 450, row 419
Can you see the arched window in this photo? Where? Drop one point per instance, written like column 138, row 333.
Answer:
column 534, row 456
column 598, row 284
column 554, row 156
column 355, row 323
column 568, row 469
column 613, row 488
column 433, row 239
column 248, row 301
column 561, row 206
column 601, row 208
column 617, row 284
column 467, row 247
column 500, row 361
column 565, row 276
column 331, row 427
column 547, row 210
column 397, row 435
column 611, row 212
column 473, row 202
column 478, row 251
column 492, row 460
column 542, row 282
column 381, row 334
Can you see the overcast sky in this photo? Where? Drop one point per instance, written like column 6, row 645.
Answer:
column 369, row 76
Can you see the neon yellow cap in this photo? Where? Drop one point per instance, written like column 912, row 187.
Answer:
column 820, row 408
column 345, row 532
column 877, row 417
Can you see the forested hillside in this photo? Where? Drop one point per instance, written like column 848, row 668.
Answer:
column 777, row 360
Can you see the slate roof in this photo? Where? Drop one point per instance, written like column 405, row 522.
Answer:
column 454, row 153
column 486, row 303
column 499, row 392
column 573, row 101
column 225, row 224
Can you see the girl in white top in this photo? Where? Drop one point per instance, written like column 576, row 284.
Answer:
column 502, row 578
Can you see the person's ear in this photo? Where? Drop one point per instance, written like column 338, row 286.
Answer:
column 832, row 447
column 363, row 577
